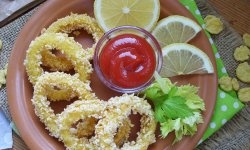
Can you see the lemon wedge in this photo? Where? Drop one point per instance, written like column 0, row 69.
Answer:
column 175, row 29
column 114, row 13
column 182, row 59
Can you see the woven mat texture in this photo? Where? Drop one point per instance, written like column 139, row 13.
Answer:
column 235, row 134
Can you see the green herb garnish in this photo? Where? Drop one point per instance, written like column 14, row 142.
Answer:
column 177, row 108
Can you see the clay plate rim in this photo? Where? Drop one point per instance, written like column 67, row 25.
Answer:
column 17, row 83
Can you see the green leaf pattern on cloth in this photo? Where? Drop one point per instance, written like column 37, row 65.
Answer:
column 227, row 104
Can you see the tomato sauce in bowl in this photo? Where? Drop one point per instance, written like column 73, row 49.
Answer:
column 126, row 58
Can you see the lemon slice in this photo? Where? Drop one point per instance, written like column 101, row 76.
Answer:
column 114, row 13
column 182, row 58
column 175, row 29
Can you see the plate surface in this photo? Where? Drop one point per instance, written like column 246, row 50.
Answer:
column 19, row 89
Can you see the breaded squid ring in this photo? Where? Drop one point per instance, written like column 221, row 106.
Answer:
column 55, row 63
column 60, row 80
column 73, row 113
column 49, row 41
column 118, row 109
column 82, row 110
column 69, row 24
column 123, row 132
column 58, row 94
column 87, row 128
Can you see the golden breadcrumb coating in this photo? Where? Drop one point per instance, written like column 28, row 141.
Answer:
column 73, row 113
column 40, row 100
column 68, row 25
column 66, row 45
column 118, row 109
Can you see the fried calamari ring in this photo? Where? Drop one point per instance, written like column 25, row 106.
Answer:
column 79, row 110
column 74, row 22
column 118, row 109
column 69, row 24
column 54, row 62
column 123, row 132
column 91, row 111
column 57, row 94
column 87, row 129
column 49, row 41
column 60, row 80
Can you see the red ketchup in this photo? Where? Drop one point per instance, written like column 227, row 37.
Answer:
column 127, row 61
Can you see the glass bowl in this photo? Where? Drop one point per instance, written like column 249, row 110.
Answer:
column 111, row 36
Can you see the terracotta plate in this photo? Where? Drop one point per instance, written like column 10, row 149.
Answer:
column 20, row 90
